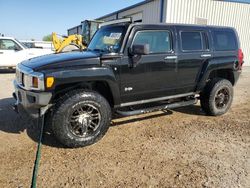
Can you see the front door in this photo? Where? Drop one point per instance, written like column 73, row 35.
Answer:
column 155, row 74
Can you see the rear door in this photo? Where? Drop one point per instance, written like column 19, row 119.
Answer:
column 194, row 52
column 225, row 46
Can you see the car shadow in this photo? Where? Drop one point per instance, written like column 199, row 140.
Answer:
column 191, row 110
column 14, row 123
column 118, row 120
column 10, row 121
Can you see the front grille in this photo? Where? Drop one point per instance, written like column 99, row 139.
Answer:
column 20, row 78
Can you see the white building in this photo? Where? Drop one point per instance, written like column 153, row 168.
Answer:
column 206, row 12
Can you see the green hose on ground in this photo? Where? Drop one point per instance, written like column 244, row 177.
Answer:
column 40, row 119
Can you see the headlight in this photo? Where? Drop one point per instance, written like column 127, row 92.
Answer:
column 34, row 82
column 28, row 79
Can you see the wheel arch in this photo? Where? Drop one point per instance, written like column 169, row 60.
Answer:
column 101, row 86
column 223, row 73
column 211, row 72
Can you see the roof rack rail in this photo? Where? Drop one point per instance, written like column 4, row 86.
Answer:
column 112, row 22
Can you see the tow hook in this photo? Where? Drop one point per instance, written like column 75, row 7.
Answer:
column 14, row 96
column 14, row 107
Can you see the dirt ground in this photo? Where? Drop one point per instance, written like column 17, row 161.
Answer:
column 180, row 148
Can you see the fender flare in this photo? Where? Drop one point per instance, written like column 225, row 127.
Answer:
column 86, row 75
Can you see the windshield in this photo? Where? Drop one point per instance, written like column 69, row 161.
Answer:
column 20, row 43
column 108, row 39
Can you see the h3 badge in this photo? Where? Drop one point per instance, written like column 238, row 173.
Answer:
column 128, row 89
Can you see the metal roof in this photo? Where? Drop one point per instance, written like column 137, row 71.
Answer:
column 148, row 1
column 124, row 9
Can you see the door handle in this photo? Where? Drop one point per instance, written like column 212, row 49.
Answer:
column 206, row 55
column 170, row 57
column 174, row 59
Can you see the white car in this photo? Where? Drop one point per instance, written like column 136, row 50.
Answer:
column 13, row 52
column 37, row 44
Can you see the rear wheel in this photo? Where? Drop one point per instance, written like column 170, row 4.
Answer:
column 217, row 97
column 81, row 118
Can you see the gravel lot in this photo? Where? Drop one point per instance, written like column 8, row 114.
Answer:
column 180, row 148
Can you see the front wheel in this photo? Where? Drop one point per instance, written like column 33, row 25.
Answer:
column 81, row 118
column 217, row 97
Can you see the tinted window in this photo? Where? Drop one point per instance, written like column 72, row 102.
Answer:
column 159, row 41
column 191, row 41
column 224, row 40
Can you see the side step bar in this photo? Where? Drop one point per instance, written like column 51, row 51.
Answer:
column 157, row 108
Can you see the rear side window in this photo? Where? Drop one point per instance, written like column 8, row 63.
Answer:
column 191, row 41
column 224, row 40
column 159, row 41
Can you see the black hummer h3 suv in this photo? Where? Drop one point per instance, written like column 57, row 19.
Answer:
column 130, row 69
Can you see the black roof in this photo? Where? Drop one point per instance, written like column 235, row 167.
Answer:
column 183, row 25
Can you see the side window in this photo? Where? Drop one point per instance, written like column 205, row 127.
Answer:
column 159, row 41
column 6, row 44
column 191, row 41
column 224, row 40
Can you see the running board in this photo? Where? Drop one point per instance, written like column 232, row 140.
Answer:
column 157, row 108
column 157, row 99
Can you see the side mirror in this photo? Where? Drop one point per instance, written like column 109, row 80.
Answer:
column 139, row 49
column 17, row 48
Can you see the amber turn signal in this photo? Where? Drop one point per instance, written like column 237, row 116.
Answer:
column 49, row 82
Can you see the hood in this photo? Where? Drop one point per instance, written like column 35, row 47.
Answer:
column 62, row 60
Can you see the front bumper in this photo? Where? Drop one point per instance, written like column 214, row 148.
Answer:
column 30, row 101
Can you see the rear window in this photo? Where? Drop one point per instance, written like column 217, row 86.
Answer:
column 224, row 40
column 191, row 41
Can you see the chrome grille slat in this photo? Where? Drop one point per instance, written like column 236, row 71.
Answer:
column 22, row 79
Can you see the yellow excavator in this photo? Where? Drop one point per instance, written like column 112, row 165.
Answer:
column 76, row 42
column 67, row 44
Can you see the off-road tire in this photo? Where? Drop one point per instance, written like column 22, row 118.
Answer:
column 207, row 98
column 65, row 106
